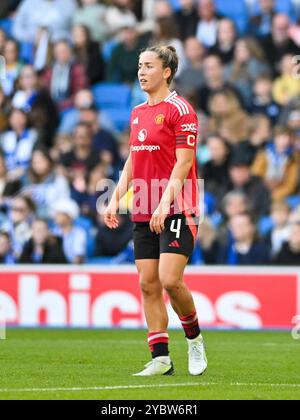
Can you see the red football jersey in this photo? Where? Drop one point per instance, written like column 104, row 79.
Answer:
column 156, row 132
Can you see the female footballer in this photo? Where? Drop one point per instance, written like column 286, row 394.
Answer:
column 162, row 168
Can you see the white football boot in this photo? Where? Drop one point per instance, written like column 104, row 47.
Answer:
column 157, row 367
column 197, row 357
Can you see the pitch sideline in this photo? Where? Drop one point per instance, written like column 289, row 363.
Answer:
column 112, row 388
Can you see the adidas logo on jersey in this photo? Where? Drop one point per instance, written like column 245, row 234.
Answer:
column 136, row 121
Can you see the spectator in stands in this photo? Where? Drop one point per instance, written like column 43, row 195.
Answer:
column 278, row 43
column 286, row 87
column 260, row 134
column 286, row 112
column 261, row 21
column 166, row 33
column 42, row 248
column 87, row 196
column 161, row 8
column 213, row 70
column 247, row 66
column 62, row 145
column 13, row 66
column 74, row 238
column 6, row 254
column 37, row 102
column 225, row 45
column 4, row 111
column 208, row 23
column 151, row 11
column 3, row 39
column 55, row 15
column 245, row 247
column 290, row 253
column 206, row 246
column 278, row 165
column 21, row 216
column 187, row 19
column 92, row 15
column 65, row 77
column 88, row 54
column 280, row 232
column 110, row 243
column 83, row 100
column 262, row 100
column 227, row 117
column 7, row 7
column 8, row 188
column 43, row 184
column 295, row 215
column 192, row 78
column 76, row 164
column 120, row 15
column 17, row 143
column 124, row 147
column 234, row 204
column 122, row 66
column 294, row 125
column 216, row 171
column 241, row 179
column 222, row 84
column 104, row 144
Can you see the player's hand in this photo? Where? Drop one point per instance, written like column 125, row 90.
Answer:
column 110, row 217
column 157, row 222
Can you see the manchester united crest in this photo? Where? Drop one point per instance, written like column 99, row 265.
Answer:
column 159, row 119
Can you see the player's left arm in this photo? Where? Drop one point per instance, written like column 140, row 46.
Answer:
column 185, row 160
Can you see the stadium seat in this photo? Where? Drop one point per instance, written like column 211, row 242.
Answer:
column 236, row 10
column 175, row 4
column 120, row 118
column 87, row 226
column 112, row 95
column 99, row 260
column 108, row 48
column 293, row 201
column 265, row 225
column 7, row 26
column 125, row 257
column 282, row 6
column 210, row 203
column 27, row 52
column 64, row 114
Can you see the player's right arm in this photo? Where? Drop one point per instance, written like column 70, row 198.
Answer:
column 110, row 216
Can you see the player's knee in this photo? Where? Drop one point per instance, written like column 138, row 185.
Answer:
column 149, row 286
column 170, row 283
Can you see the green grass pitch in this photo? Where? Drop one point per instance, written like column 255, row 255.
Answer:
column 78, row 364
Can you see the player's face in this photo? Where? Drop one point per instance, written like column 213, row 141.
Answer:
column 152, row 76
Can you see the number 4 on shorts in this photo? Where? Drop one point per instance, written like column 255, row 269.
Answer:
column 177, row 228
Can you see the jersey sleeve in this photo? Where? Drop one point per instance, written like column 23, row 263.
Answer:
column 186, row 129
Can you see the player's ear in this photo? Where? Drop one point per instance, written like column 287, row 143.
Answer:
column 167, row 73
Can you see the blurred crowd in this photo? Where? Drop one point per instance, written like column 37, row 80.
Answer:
column 68, row 83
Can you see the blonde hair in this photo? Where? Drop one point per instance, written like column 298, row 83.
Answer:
column 169, row 58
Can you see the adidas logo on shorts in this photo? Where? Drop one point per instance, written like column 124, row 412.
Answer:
column 174, row 244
